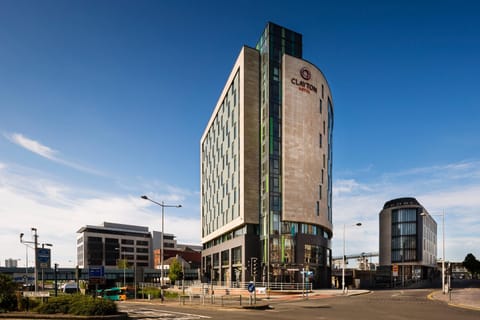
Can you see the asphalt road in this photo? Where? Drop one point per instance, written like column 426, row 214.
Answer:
column 387, row 304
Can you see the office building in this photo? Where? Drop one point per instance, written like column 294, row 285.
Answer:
column 266, row 168
column 105, row 245
column 408, row 240
column 11, row 263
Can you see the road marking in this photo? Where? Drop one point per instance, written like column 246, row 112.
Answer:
column 158, row 314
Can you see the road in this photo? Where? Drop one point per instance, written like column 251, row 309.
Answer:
column 387, row 304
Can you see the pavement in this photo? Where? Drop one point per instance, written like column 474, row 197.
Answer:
column 468, row 298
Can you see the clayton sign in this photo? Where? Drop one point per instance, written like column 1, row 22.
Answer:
column 304, row 85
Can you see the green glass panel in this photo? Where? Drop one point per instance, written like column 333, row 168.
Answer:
column 283, row 249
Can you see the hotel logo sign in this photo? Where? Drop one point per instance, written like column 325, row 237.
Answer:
column 305, row 73
column 304, row 85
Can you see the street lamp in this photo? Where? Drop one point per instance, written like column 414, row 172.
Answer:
column 163, row 205
column 443, row 245
column 35, row 243
column 43, row 281
column 358, row 224
column 121, row 263
column 26, row 257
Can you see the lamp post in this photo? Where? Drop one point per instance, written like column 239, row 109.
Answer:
column 443, row 245
column 121, row 263
column 344, row 256
column 163, row 205
column 35, row 243
column 43, row 281
column 26, row 257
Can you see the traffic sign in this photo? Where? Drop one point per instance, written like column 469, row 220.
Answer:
column 395, row 270
column 96, row 272
column 251, row 287
column 38, row 294
column 43, row 257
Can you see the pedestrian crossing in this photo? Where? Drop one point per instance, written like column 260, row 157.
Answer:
column 152, row 314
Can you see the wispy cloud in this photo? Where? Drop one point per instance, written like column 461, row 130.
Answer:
column 451, row 188
column 31, row 199
column 47, row 152
column 32, row 145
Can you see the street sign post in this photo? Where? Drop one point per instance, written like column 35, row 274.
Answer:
column 43, row 257
column 395, row 270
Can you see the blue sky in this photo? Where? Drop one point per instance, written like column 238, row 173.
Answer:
column 103, row 101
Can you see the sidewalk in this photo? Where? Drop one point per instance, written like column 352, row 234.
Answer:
column 468, row 298
column 232, row 301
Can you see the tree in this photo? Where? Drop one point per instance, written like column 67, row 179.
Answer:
column 123, row 264
column 472, row 265
column 175, row 271
column 8, row 300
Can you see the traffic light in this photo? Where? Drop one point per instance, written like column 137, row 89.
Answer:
column 254, row 266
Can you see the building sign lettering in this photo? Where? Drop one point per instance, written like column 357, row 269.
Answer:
column 304, row 85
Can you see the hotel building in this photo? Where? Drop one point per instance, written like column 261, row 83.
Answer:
column 266, row 168
column 408, row 239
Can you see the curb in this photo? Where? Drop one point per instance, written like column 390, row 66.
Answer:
column 430, row 296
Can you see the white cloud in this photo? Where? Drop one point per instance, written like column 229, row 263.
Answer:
column 58, row 211
column 451, row 188
column 29, row 198
column 32, row 145
column 46, row 152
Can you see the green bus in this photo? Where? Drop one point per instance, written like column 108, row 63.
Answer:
column 114, row 294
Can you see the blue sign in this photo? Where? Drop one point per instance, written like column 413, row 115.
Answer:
column 43, row 257
column 251, row 287
column 96, row 272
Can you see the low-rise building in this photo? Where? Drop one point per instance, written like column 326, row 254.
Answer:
column 408, row 240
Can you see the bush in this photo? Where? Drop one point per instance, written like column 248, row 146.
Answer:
column 170, row 294
column 152, row 291
column 79, row 305
column 56, row 305
column 25, row 303
column 8, row 300
column 93, row 306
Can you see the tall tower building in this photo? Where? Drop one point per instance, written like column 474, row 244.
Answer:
column 266, row 168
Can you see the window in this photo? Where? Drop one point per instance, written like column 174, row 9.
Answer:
column 404, row 235
column 318, row 206
column 237, row 255
column 320, row 192
column 320, row 140
column 225, row 258
column 320, row 105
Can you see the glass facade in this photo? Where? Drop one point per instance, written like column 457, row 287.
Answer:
column 404, row 235
column 330, row 159
column 274, row 42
